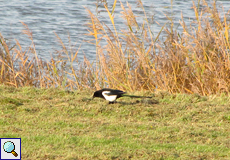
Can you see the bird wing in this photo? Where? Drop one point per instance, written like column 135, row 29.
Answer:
column 114, row 92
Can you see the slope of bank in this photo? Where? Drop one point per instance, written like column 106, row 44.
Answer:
column 59, row 124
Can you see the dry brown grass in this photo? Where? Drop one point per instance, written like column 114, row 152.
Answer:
column 194, row 61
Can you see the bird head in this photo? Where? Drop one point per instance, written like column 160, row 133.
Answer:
column 95, row 94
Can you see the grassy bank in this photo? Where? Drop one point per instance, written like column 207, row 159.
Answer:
column 59, row 124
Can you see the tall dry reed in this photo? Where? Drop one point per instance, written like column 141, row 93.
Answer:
column 193, row 61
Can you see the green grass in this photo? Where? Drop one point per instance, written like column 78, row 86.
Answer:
column 58, row 124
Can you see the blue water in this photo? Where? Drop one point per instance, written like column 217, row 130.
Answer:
column 68, row 18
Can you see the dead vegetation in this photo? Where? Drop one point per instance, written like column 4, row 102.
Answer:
column 194, row 61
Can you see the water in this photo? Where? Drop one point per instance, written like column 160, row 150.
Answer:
column 69, row 18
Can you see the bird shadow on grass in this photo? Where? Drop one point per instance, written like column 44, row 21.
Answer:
column 143, row 101
column 8, row 100
column 125, row 103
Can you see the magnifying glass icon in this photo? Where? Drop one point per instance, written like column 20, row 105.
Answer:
column 9, row 147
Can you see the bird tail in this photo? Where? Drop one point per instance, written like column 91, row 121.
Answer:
column 132, row 96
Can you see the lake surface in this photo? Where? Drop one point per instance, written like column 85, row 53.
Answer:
column 69, row 18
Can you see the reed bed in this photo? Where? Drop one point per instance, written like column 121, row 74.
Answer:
column 193, row 61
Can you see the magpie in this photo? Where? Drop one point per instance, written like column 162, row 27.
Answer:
column 111, row 94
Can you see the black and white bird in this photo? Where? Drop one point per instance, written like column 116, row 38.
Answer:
column 111, row 94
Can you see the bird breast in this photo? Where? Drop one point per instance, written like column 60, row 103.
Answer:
column 110, row 98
